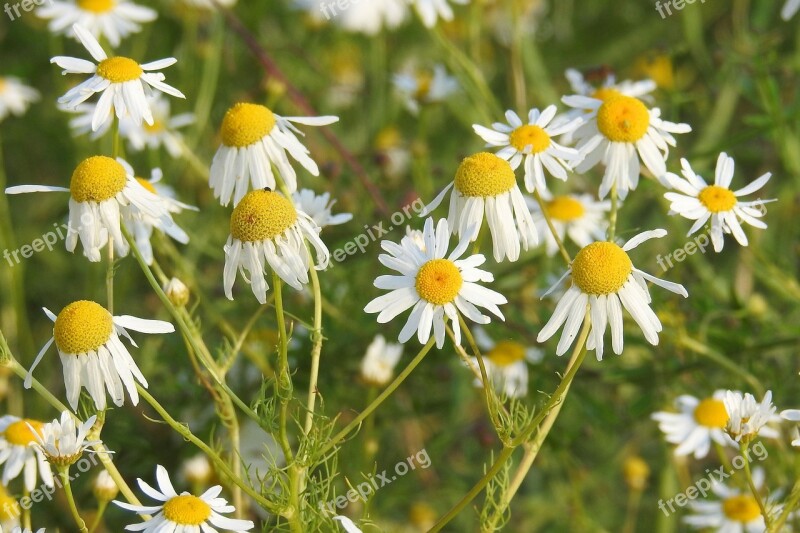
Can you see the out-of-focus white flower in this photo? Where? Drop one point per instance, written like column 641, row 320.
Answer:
column 422, row 87
column 378, row 363
column 111, row 19
column 319, row 207
column 15, row 96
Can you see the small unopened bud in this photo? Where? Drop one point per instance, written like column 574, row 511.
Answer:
column 105, row 488
column 197, row 470
column 636, row 472
column 177, row 292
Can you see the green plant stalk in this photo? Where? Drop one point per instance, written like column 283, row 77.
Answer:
column 63, row 473
column 316, row 350
column 546, row 215
column 753, row 489
column 98, row 517
column 26, row 510
column 788, row 507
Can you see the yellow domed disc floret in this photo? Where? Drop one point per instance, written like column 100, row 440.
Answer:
column 564, row 208
column 187, row 510
column 623, row 119
column 506, row 353
column 601, row 268
column 245, row 124
column 82, row 327
column 532, row 136
column 19, row 433
column 742, row 508
column 119, row 69
column 711, row 413
column 262, row 215
column 438, row 281
column 717, row 199
column 96, row 6
column 483, row 175
column 97, row 179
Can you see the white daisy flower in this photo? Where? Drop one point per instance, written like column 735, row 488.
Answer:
column 254, row 139
column 10, row 511
column 735, row 512
column 121, row 80
column 696, row 425
column 101, row 190
column 789, row 9
column 185, row 512
column 266, row 229
column 62, row 442
column 533, row 142
column 506, row 363
column 378, row 363
column 430, row 11
column 369, row 17
column 435, row 286
column 93, row 356
column 19, row 451
column 15, row 96
column 577, row 216
column 699, row 201
column 602, row 277
column 319, row 207
column 163, row 131
column 615, row 129
column 748, row 418
column 420, row 87
column 348, row 525
column 112, row 19
column 486, row 185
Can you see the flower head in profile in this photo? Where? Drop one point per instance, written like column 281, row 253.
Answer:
column 93, row 356
column 319, row 208
column 110, row 19
column 184, row 512
column 698, row 201
column 735, row 511
column 533, row 144
column 15, row 97
column 749, row 418
column 485, row 186
column 423, row 87
column 121, row 82
column 378, row 363
column 267, row 230
column 253, row 139
column 604, row 281
column 162, row 132
column 434, row 285
column 63, row 442
column 577, row 216
column 20, row 453
column 506, row 363
column 430, row 11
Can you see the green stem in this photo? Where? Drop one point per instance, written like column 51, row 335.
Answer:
column 63, row 473
column 546, row 215
column 752, row 485
column 316, row 350
column 788, row 507
column 26, row 510
column 284, row 376
column 101, row 509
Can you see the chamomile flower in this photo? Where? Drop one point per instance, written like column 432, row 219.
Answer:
column 185, row 512
column 533, row 143
column 266, row 229
column 378, row 363
column 430, row 11
column 421, row 87
column 436, row 286
column 506, row 363
column 370, row 17
column 15, row 96
column 602, row 277
column 100, row 190
column 253, row 139
column 319, row 207
column 735, row 512
column 110, row 19
column 615, row 129
column 698, row 201
column 696, row 425
column 19, row 452
column 485, row 185
column 93, row 356
column 577, row 216
column 120, row 80
column 789, row 9
column 162, row 132
column 749, row 418
column 62, row 442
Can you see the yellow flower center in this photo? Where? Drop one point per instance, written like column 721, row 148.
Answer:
column 186, row 510
column 147, row 185
column 19, row 434
column 532, row 136
column 506, row 353
column 565, row 208
column 717, row 198
column 741, row 508
column 424, row 81
column 623, row 119
column 601, row 268
column 438, row 281
column 9, row 508
column 156, row 127
column 262, row 215
column 96, row 6
column 96, row 179
column 711, row 413
column 119, row 69
column 483, row 175
column 82, row 327
column 604, row 93
column 2, row 83
column 245, row 124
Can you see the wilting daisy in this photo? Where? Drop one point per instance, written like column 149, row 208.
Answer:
column 533, row 142
column 615, row 129
column 62, row 442
column 696, row 425
column 748, row 418
column 112, row 19
column 19, row 451
column 789, row 9
column 266, row 229
column 163, row 131
column 699, row 201
column 421, row 87
column 602, row 277
column 319, row 207
column 735, row 512
column 92, row 354
column 15, row 96
column 100, row 190
column 486, row 184
column 435, row 286
column 253, row 139
column 577, row 216
column 185, row 512
column 506, row 363
column 378, row 363
column 432, row 10
column 121, row 80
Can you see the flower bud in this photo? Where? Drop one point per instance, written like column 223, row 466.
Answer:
column 104, row 487
column 177, row 292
